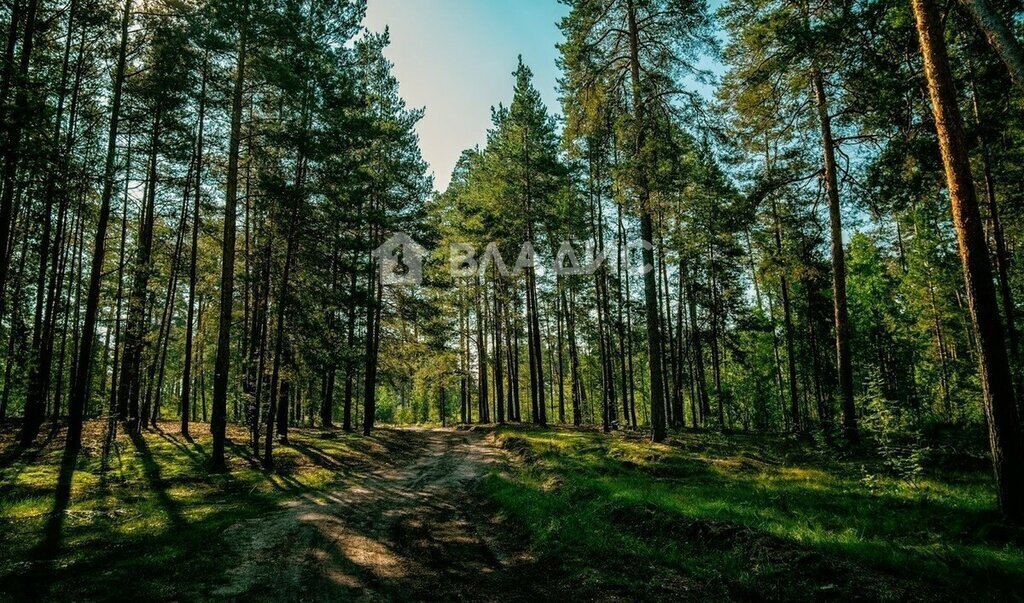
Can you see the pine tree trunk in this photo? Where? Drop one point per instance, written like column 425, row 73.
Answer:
column 499, row 379
column 629, row 408
column 513, row 375
column 186, row 374
column 996, row 377
column 1002, row 255
column 64, row 309
column 261, row 362
column 1000, row 36
column 277, row 390
column 15, row 125
column 844, row 361
column 83, row 368
column 350, row 377
column 117, row 413
column 159, row 360
column 515, row 398
column 674, row 406
column 559, row 320
column 373, row 311
column 654, row 348
column 129, row 382
column 698, row 356
column 222, row 367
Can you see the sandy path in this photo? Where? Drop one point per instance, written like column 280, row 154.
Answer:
column 413, row 529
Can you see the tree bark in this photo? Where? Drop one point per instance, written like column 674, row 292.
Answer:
column 186, row 374
column 350, row 377
column 218, row 424
column 996, row 377
column 80, row 390
column 499, row 380
column 12, row 143
column 844, row 361
column 276, row 388
column 654, row 350
column 135, row 329
column 1000, row 36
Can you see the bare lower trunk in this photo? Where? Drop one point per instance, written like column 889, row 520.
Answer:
column 844, row 361
column 186, row 375
column 218, row 424
column 80, row 391
column 996, row 377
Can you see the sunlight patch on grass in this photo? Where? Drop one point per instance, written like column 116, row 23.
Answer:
column 155, row 511
column 686, row 507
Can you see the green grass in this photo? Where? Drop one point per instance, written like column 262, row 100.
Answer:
column 150, row 526
column 747, row 517
column 702, row 516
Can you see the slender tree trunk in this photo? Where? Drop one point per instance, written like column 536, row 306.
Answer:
column 675, row 403
column 574, row 361
column 716, row 354
column 516, row 355
column 996, row 377
column 463, row 361
column 628, row 408
column 135, row 329
column 844, row 361
column 1002, row 255
column 84, row 365
column 276, row 388
column 513, row 375
column 118, row 413
column 186, row 373
column 787, row 313
column 698, row 355
column 681, row 348
column 218, row 426
column 261, row 363
column 16, row 328
column 559, row 321
column 159, row 361
column 499, row 380
column 12, row 143
column 374, row 290
column 480, row 305
column 654, row 350
column 350, row 377
column 72, row 254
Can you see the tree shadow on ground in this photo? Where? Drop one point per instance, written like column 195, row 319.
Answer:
column 157, row 484
column 317, row 456
column 43, row 556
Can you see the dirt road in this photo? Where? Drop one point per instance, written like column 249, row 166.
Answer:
column 411, row 529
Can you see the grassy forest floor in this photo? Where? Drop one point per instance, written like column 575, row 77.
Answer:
column 509, row 513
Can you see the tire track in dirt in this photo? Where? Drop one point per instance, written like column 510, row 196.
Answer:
column 413, row 529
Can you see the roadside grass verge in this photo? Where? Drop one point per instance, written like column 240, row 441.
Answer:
column 750, row 517
column 145, row 521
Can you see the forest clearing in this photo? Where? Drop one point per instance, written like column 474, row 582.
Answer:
column 529, row 300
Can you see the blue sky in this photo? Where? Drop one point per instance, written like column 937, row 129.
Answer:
column 455, row 58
